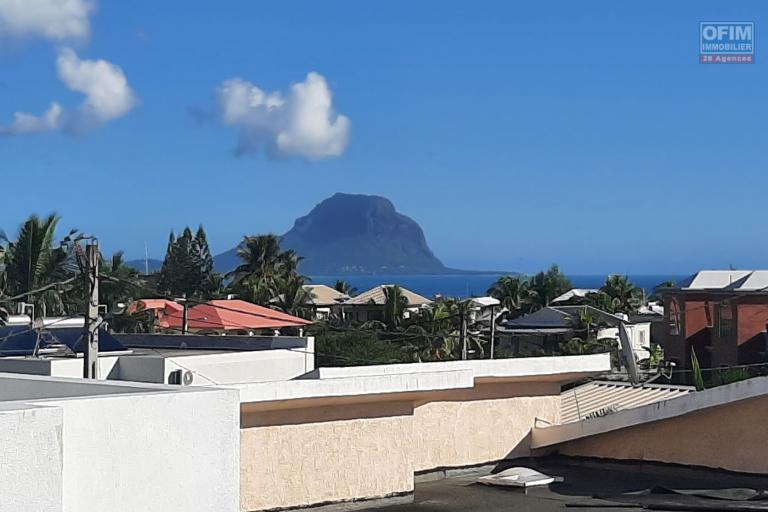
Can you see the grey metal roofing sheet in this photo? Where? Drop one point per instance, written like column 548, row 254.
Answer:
column 594, row 396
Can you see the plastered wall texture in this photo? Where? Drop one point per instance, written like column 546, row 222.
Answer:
column 336, row 460
column 331, row 453
column 30, row 458
column 476, row 426
column 731, row 437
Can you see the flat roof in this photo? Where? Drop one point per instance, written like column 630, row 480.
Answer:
column 587, row 484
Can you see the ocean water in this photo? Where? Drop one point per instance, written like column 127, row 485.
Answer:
column 473, row 285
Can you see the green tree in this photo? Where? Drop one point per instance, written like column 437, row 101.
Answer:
column 625, row 297
column 264, row 269
column 395, row 304
column 119, row 282
column 354, row 348
column 188, row 266
column 342, row 286
column 512, row 292
column 210, row 281
column 34, row 261
column 600, row 300
column 546, row 286
column 290, row 296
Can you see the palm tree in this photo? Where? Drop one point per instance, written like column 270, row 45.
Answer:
column 119, row 282
column 433, row 333
column 263, row 265
column 395, row 304
column 625, row 296
column 344, row 287
column 546, row 286
column 260, row 257
column 290, row 295
column 511, row 291
column 33, row 262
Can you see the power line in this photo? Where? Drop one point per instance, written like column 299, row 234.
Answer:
column 38, row 290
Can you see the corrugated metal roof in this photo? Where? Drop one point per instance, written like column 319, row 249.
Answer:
column 714, row 279
column 596, row 396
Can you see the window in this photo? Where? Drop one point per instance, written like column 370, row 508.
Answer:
column 725, row 320
column 673, row 317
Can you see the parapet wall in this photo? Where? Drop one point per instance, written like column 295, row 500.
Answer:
column 731, row 436
column 71, row 445
column 363, row 433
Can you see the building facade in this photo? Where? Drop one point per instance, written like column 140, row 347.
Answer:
column 720, row 316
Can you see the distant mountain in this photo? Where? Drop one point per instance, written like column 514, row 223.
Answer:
column 154, row 265
column 355, row 234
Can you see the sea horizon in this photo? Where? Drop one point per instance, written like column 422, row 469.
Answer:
column 474, row 284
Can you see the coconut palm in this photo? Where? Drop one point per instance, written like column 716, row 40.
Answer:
column 395, row 304
column 33, row 261
column 512, row 292
column 546, row 286
column 119, row 282
column 625, row 296
column 344, row 287
column 433, row 336
column 260, row 257
column 290, row 295
column 600, row 300
column 263, row 265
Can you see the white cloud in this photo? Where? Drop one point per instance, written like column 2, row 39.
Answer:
column 58, row 20
column 25, row 123
column 302, row 123
column 107, row 93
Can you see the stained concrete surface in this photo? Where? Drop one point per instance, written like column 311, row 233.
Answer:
column 584, row 481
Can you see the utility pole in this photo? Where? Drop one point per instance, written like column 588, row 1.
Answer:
column 91, row 328
column 463, row 334
column 493, row 329
column 184, row 314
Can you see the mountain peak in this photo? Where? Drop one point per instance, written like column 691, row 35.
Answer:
column 357, row 233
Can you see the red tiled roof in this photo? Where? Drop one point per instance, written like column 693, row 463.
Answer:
column 232, row 315
column 156, row 304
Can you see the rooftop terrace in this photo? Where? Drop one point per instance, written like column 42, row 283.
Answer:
column 590, row 484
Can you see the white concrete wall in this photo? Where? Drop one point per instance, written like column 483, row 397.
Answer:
column 30, row 458
column 57, row 367
column 150, row 368
column 208, row 368
column 70, row 445
column 158, row 452
column 241, row 367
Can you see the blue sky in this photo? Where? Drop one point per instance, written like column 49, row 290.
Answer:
column 518, row 134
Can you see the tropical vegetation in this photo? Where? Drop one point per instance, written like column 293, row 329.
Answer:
column 521, row 295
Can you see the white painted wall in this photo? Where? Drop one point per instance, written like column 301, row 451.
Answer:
column 240, row 367
column 639, row 337
column 282, row 362
column 68, row 445
column 30, row 458
column 159, row 452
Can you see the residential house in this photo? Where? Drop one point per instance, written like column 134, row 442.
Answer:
column 323, row 299
column 720, row 315
column 230, row 316
column 543, row 331
column 574, row 295
column 369, row 305
column 653, row 313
